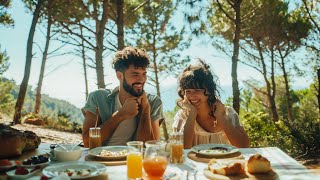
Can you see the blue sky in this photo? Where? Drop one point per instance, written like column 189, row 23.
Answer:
column 65, row 80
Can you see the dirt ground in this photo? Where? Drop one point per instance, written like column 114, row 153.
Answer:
column 53, row 137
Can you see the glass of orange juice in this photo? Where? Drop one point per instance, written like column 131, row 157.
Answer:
column 155, row 159
column 176, row 148
column 94, row 137
column 134, row 159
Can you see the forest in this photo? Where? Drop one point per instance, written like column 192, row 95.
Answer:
column 278, row 39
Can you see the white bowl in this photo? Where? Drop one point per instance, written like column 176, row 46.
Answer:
column 63, row 155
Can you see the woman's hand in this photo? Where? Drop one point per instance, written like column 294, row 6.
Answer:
column 188, row 107
column 220, row 114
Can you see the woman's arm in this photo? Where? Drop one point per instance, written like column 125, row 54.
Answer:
column 234, row 131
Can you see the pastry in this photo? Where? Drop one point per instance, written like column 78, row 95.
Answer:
column 258, row 164
column 226, row 168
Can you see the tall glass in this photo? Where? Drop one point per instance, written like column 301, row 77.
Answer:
column 134, row 159
column 94, row 137
column 176, row 148
column 155, row 160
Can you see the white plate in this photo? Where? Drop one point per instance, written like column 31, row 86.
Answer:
column 12, row 174
column 34, row 165
column 214, row 149
column 95, row 168
column 3, row 168
column 96, row 152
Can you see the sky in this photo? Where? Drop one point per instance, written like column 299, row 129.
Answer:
column 64, row 75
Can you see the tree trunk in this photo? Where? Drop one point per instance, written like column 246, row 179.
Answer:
column 235, row 83
column 273, row 96
column 100, row 26
column 24, row 83
column 318, row 90
column 264, row 71
column 120, row 24
column 43, row 65
column 84, row 63
column 285, row 76
column 155, row 66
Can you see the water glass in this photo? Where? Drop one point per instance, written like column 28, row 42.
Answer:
column 94, row 137
column 176, row 148
column 134, row 159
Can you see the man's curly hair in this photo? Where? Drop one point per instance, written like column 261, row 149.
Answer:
column 130, row 55
column 199, row 76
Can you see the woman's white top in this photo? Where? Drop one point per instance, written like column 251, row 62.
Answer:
column 202, row 136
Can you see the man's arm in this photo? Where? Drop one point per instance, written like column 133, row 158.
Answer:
column 156, row 129
column 128, row 110
column 107, row 128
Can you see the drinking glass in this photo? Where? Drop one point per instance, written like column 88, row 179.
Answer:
column 134, row 159
column 155, row 160
column 176, row 148
column 94, row 137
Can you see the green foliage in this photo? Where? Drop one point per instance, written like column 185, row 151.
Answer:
column 264, row 132
column 296, row 137
column 6, row 99
column 5, row 18
column 4, row 62
column 169, row 115
column 164, row 43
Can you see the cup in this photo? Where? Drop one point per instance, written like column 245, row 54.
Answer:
column 176, row 148
column 94, row 137
column 134, row 159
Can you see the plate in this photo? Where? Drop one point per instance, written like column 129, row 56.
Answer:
column 12, row 174
column 214, row 149
column 34, row 165
column 3, row 168
column 96, row 152
column 55, row 169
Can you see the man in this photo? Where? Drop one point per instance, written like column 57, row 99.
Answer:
column 126, row 113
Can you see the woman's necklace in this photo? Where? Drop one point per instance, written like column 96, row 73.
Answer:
column 215, row 122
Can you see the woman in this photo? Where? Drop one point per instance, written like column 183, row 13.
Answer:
column 203, row 118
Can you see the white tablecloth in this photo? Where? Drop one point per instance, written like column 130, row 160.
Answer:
column 284, row 166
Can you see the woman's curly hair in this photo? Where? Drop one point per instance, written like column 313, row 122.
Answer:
column 199, row 76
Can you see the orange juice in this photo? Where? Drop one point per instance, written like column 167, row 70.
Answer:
column 94, row 141
column 176, row 153
column 134, row 165
column 155, row 166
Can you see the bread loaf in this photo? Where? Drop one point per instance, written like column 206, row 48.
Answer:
column 226, row 168
column 258, row 164
column 14, row 142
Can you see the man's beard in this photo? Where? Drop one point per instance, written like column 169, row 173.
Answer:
column 130, row 89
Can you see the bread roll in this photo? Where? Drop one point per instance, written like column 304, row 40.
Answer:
column 226, row 168
column 14, row 142
column 258, row 164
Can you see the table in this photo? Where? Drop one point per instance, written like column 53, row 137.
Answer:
column 283, row 165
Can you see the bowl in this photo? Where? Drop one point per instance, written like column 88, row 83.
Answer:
column 66, row 154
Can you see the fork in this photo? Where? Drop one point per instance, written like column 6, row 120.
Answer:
column 192, row 166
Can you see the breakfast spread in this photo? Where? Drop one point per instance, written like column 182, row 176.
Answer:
column 16, row 142
column 106, row 153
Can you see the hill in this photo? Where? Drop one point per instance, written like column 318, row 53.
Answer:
column 50, row 107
